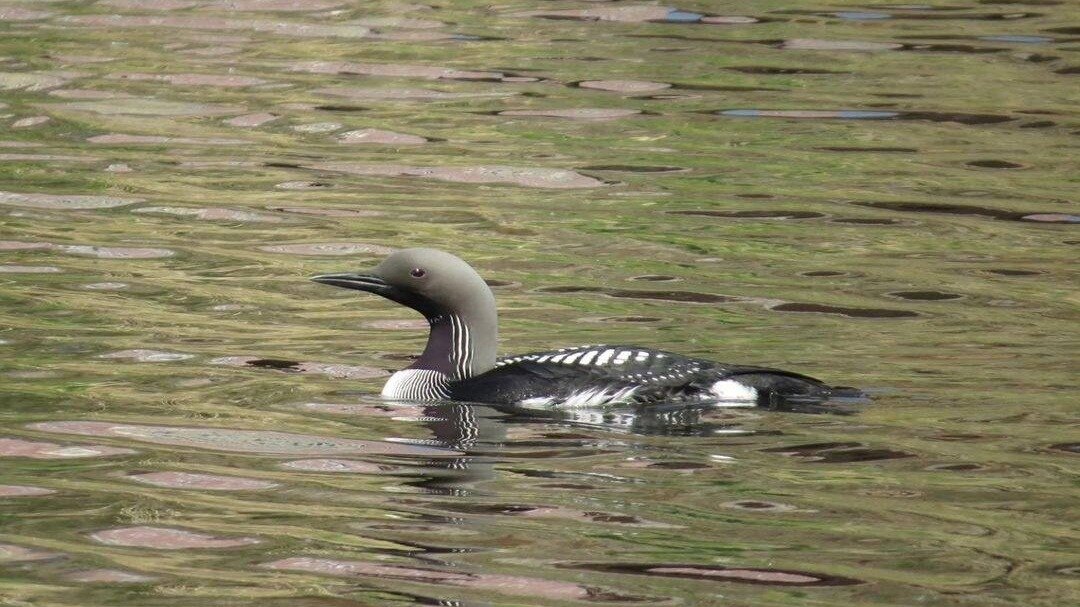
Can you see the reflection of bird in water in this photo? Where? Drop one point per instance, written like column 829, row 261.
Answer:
column 459, row 362
column 467, row 428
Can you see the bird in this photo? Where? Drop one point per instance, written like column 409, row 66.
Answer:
column 459, row 362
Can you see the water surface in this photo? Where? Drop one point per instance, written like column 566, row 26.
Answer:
column 880, row 195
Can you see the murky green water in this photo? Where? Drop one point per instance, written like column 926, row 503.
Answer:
column 877, row 195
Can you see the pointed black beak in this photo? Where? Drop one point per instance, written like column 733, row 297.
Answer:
column 359, row 282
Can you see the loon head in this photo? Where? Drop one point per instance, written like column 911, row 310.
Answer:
column 456, row 301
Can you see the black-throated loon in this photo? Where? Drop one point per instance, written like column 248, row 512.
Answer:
column 460, row 364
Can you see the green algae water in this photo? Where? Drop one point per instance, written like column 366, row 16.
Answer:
column 879, row 195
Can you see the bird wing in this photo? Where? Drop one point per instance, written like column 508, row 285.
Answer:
column 589, row 376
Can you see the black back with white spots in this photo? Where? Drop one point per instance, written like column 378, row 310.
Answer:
column 590, row 376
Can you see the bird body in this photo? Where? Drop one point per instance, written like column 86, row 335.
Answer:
column 459, row 361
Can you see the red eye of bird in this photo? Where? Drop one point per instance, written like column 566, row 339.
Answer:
column 418, row 272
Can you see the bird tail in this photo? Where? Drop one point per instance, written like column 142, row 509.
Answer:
column 786, row 391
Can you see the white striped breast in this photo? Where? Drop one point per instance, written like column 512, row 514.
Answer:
column 417, row 384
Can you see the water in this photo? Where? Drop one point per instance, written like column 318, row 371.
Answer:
column 187, row 420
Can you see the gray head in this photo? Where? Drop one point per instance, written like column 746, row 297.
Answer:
column 449, row 293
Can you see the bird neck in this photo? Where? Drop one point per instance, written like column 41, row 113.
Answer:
column 461, row 344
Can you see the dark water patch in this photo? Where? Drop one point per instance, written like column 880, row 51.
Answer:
column 726, row 88
column 823, row 273
column 678, row 465
column 925, row 295
column 951, row 48
column 275, row 363
column 655, row 278
column 994, row 164
column 1072, row 30
column 631, row 168
column 956, row 467
column 665, row 97
column 840, row 148
column 1066, row 447
column 494, row 283
column 745, row 575
column 1012, row 272
column 486, row 509
column 1036, row 58
column 752, row 214
column 1038, row 124
column 964, row 437
column 755, row 196
column 958, row 117
column 337, row 371
column 838, row 452
column 866, row 221
column 850, row 312
column 758, row 506
column 570, row 289
column 620, row 519
column 679, row 296
column 1068, row 71
column 769, row 70
column 957, row 209
column 341, row 108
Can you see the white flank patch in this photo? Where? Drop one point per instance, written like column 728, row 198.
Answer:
column 731, row 390
column 540, row 402
column 592, row 397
